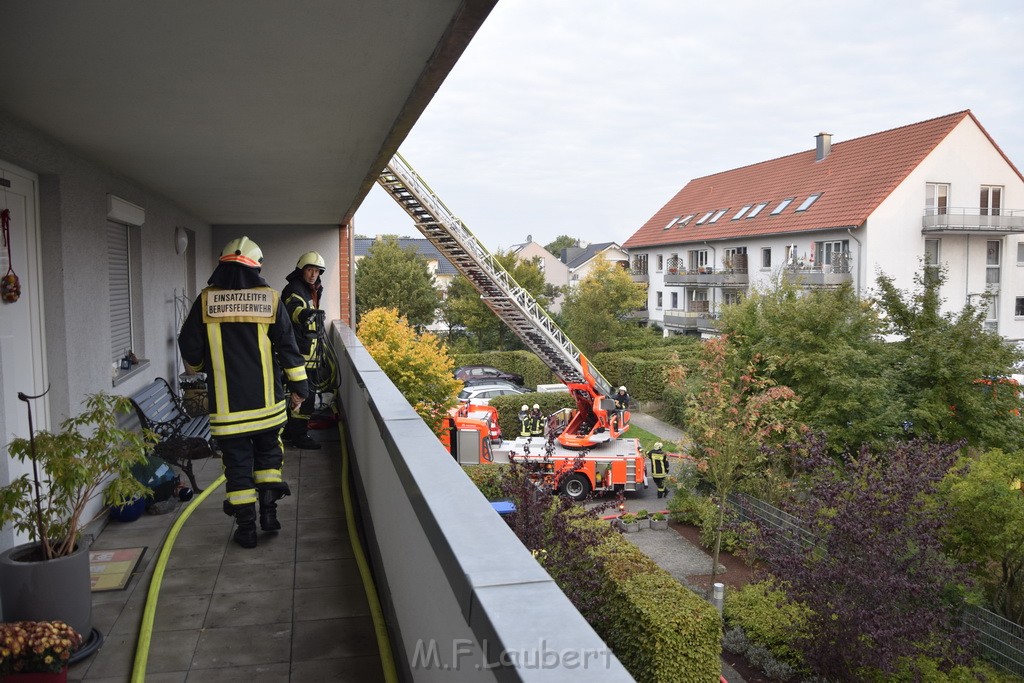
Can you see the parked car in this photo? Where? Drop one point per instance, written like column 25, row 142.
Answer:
column 483, row 393
column 469, row 373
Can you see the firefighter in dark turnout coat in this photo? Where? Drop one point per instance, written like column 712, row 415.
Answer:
column 659, row 469
column 238, row 333
column 301, row 298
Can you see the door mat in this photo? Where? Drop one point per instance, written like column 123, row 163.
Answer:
column 111, row 570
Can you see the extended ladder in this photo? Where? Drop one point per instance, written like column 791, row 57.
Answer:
column 510, row 302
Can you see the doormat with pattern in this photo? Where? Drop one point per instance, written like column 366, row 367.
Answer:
column 111, row 570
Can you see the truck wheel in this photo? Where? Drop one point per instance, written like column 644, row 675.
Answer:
column 576, row 486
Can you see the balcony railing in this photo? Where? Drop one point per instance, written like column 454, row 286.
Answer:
column 831, row 274
column 691, row 319
column 955, row 220
column 707, row 276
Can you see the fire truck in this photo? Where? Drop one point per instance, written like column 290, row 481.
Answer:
column 585, row 451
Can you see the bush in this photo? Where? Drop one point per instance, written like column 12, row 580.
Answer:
column 488, row 478
column 686, row 507
column 929, row 669
column 768, row 618
column 508, row 408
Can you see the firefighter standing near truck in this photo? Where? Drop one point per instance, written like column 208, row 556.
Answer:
column 238, row 333
column 659, row 469
column 301, row 298
column 536, row 421
column 525, row 421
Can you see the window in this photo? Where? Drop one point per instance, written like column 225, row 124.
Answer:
column 675, row 300
column 718, row 214
column 835, row 255
column 671, row 223
column 735, row 258
column 931, row 252
column 791, row 255
column 682, row 222
column 697, row 258
column 704, row 218
column 992, row 262
column 807, row 202
column 1018, row 308
column 991, row 200
column 992, row 311
column 757, row 209
column 1020, row 253
column 657, row 299
column 739, row 214
column 766, row 257
column 125, row 289
column 936, row 199
column 661, row 262
column 731, row 297
column 782, row 206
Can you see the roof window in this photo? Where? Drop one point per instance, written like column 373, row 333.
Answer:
column 757, row 209
column 782, row 206
column 739, row 214
column 681, row 223
column 670, row 223
column 807, row 202
column 718, row 214
column 704, row 218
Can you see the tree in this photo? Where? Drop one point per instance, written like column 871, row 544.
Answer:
column 942, row 361
column 986, row 506
column 418, row 364
column 871, row 566
column 828, row 348
column 594, row 309
column 464, row 307
column 730, row 418
column 561, row 242
column 392, row 277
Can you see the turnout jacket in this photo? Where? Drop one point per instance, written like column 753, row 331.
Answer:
column 299, row 299
column 241, row 338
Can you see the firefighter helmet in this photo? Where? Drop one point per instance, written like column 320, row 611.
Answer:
column 622, row 390
column 244, row 252
column 657, row 446
column 536, row 406
column 311, row 258
column 525, row 408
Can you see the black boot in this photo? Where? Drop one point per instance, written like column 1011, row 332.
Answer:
column 245, row 520
column 268, row 505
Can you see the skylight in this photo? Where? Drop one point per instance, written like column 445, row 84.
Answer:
column 757, row 209
column 670, row 223
column 704, row 218
column 681, row 223
column 739, row 214
column 807, row 202
column 717, row 215
column 782, row 206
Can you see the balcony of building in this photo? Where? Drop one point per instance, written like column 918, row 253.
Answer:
column 697, row 316
column 838, row 270
column 707, row 276
column 638, row 269
column 972, row 220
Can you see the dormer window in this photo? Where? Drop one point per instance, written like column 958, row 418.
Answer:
column 807, row 202
column 782, row 206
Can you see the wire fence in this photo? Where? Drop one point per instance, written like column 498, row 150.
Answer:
column 998, row 640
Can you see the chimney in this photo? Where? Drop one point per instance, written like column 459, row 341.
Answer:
column 823, row 146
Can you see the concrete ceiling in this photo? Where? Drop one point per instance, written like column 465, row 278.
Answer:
column 241, row 111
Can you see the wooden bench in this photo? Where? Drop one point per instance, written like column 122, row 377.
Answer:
column 182, row 438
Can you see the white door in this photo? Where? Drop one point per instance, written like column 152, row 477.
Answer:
column 22, row 361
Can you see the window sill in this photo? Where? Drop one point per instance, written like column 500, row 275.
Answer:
column 121, row 376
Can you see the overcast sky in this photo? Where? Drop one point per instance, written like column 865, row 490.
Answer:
column 584, row 117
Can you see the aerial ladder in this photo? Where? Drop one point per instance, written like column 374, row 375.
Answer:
column 595, row 419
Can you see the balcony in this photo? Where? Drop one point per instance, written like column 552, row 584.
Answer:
column 639, row 273
column 696, row 317
column 707, row 276
column 972, row 220
column 817, row 277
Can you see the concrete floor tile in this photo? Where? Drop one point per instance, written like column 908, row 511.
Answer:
column 243, row 646
column 246, row 609
column 317, row 550
column 203, row 534
column 114, row 658
column 242, row 578
column 344, row 670
column 333, row 639
column 272, row 549
column 328, row 529
column 180, row 612
column 321, row 502
column 206, row 555
column 260, row 673
column 171, row 651
column 330, row 602
column 340, row 572
column 185, row 582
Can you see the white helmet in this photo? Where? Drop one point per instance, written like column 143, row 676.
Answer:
column 622, row 389
column 657, row 446
column 311, row 258
column 244, row 252
column 536, row 406
column 525, row 408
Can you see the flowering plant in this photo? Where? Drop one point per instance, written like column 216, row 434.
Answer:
column 36, row 646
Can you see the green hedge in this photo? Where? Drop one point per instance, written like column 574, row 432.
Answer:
column 768, row 618
column 508, row 408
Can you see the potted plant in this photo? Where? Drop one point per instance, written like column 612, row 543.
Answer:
column 643, row 519
column 36, row 650
column 628, row 523
column 48, row 578
column 659, row 521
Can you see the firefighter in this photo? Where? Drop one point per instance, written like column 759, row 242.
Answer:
column 659, row 469
column 301, row 298
column 525, row 421
column 536, row 421
column 238, row 333
column 621, row 406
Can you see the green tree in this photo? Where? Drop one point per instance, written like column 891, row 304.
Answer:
column 418, row 364
column 942, row 361
column 828, row 348
column 986, row 506
column 464, row 307
column 594, row 309
column 392, row 277
column 561, row 242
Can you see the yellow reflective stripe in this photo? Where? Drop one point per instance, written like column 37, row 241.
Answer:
column 267, row 476
column 295, row 374
column 249, row 421
column 224, row 417
column 243, row 497
column 220, row 382
column 266, row 362
column 194, row 368
column 298, row 309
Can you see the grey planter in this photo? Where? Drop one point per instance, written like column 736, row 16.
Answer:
column 659, row 524
column 47, row 590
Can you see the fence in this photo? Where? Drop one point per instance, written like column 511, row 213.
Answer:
column 998, row 640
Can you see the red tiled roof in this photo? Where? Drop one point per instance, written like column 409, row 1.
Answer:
column 853, row 180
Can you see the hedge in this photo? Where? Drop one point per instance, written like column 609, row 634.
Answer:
column 508, row 408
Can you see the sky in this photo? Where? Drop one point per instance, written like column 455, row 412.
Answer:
column 584, row 118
